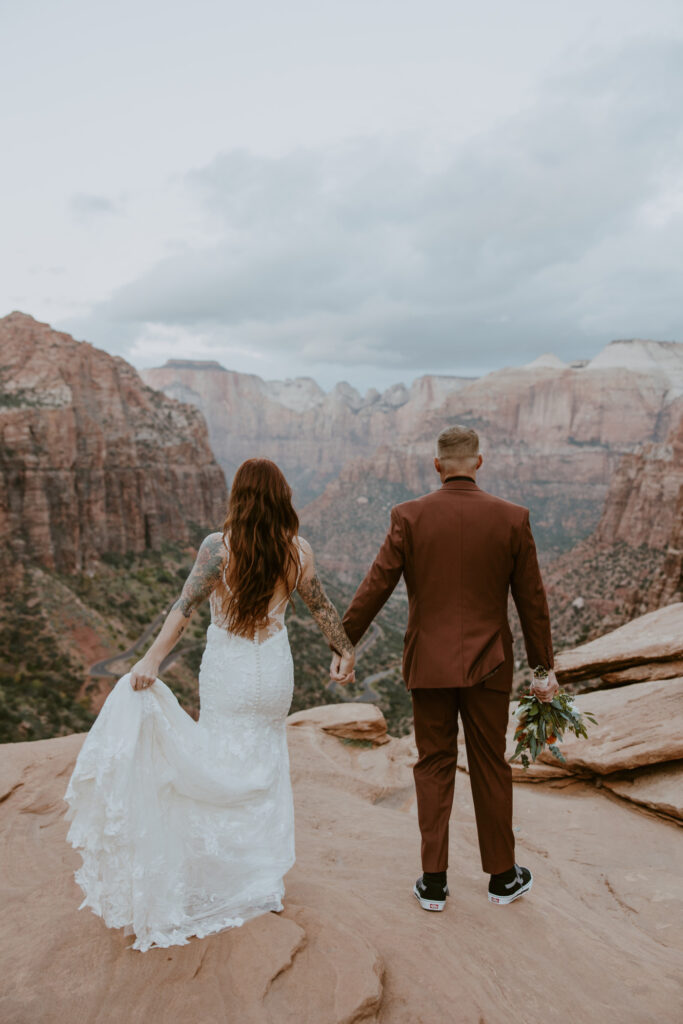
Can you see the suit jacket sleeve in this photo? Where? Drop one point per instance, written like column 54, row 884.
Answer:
column 380, row 581
column 530, row 599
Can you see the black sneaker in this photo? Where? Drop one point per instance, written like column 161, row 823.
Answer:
column 430, row 895
column 506, row 887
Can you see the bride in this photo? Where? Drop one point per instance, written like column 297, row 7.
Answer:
column 186, row 828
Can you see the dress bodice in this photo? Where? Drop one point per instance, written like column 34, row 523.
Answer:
column 275, row 619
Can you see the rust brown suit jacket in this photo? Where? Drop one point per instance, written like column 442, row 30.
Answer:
column 461, row 551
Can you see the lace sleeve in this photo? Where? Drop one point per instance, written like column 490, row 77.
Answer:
column 318, row 603
column 206, row 574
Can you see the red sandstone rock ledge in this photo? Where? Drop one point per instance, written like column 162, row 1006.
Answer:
column 596, row 940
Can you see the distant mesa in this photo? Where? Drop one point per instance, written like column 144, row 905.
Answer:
column 637, row 354
column 644, row 356
column 193, row 364
column 302, row 394
column 548, row 359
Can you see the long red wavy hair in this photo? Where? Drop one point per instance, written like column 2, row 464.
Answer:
column 261, row 524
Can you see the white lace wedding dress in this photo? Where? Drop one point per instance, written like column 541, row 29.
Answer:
column 186, row 828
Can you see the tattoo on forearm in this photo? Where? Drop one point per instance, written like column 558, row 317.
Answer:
column 324, row 613
column 182, row 605
column 180, row 629
column 206, row 574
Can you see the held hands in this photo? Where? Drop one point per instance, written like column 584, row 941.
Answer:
column 341, row 668
column 545, row 689
column 144, row 673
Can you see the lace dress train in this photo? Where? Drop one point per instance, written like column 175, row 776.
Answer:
column 186, row 828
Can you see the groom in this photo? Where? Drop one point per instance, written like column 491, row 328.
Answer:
column 461, row 550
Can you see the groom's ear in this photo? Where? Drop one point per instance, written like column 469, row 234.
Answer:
column 437, row 465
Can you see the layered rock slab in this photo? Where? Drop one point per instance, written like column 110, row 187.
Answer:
column 659, row 789
column 637, row 725
column 654, row 637
column 641, row 673
column 362, row 722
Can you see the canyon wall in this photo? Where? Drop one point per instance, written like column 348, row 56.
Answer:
column 94, row 462
column 311, row 434
column 552, row 435
column 644, row 503
column 632, row 563
column 91, row 459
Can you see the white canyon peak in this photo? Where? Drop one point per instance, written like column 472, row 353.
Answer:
column 651, row 357
column 548, row 359
column 301, row 394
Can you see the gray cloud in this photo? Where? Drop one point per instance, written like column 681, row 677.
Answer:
column 84, row 206
column 557, row 231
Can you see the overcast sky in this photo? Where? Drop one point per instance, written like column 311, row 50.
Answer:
column 364, row 190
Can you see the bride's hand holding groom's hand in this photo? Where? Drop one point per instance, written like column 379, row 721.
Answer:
column 342, row 668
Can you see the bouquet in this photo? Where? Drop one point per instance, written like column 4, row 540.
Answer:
column 541, row 724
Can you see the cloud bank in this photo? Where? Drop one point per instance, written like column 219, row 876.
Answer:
column 557, row 231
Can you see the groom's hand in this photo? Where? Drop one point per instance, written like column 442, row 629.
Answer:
column 341, row 668
column 545, row 689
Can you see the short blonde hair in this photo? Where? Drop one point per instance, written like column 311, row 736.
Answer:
column 458, row 444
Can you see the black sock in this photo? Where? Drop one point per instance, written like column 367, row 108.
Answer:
column 438, row 877
column 505, row 876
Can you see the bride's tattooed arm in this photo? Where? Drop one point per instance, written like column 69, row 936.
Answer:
column 325, row 614
column 205, row 574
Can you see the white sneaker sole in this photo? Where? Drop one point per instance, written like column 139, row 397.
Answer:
column 428, row 904
column 515, row 896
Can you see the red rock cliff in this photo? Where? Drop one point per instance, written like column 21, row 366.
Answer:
column 644, row 507
column 92, row 460
column 632, row 563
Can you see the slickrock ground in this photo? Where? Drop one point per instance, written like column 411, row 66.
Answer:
column 595, row 941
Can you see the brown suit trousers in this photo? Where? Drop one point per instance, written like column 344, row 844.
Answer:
column 461, row 552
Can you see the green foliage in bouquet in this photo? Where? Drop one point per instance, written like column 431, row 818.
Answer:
column 542, row 724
